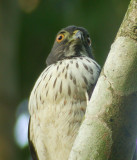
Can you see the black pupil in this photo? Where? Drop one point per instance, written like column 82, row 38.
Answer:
column 60, row 37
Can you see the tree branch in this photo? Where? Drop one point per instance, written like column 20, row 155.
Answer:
column 109, row 129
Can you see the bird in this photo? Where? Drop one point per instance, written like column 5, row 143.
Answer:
column 59, row 98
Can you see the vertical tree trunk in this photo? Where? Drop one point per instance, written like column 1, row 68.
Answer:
column 9, row 93
column 109, row 129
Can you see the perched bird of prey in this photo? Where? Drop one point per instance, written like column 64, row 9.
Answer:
column 60, row 95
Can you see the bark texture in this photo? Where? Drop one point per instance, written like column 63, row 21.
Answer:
column 109, row 130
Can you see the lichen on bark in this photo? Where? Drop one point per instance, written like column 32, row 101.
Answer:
column 129, row 26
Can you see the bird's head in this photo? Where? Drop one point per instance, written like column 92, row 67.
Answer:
column 70, row 42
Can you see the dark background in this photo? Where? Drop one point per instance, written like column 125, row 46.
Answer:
column 27, row 32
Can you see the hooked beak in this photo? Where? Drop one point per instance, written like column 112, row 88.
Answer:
column 77, row 34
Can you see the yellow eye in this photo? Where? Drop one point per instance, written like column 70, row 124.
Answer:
column 89, row 41
column 59, row 38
